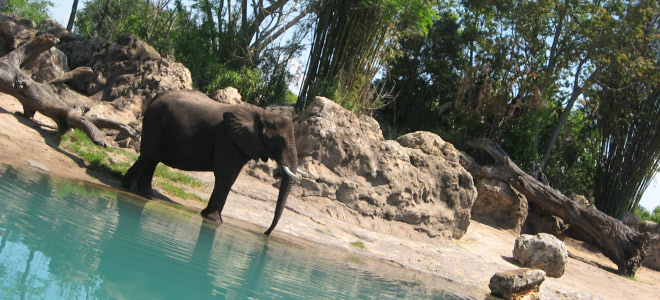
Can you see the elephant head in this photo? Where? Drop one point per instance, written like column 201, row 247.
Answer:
column 260, row 134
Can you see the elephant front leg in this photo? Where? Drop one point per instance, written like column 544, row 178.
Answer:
column 223, row 183
column 213, row 210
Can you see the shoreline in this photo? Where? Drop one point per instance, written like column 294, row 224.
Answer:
column 468, row 262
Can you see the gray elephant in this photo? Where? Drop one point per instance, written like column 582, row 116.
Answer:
column 189, row 131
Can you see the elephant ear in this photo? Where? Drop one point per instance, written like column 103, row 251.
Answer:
column 245, row 129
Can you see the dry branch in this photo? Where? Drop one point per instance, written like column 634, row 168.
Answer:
column 41, row 97
column 618, row 242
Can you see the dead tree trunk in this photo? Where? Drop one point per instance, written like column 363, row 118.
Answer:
column 620, row 243
column 42, row 98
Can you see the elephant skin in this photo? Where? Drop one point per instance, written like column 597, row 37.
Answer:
column 189, row 131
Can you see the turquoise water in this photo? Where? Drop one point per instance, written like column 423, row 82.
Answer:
column 63, row 240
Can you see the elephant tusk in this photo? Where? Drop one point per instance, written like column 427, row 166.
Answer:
column 303, row 173
column 288, row 172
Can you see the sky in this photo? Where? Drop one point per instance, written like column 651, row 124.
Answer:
column 62, row 8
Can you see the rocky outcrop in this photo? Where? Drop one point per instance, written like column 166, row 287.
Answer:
column 521, row 284
column 422, row 183
column 542, row 251
column 128, row 68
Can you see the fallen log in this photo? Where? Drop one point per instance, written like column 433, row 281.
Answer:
column 621, row 244
column 42, row 98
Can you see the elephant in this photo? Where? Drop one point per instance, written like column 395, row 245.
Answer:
column 189, row 131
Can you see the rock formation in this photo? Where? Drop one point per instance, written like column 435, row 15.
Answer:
column 422, row 183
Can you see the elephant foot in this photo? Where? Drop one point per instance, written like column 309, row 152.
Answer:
column 146, row 192
column 213, row 216
column 126, row 183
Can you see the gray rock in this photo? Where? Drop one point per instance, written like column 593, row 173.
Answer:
column 422, row 183
column 517, row 284
column 542, row 251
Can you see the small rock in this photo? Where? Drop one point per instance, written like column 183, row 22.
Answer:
column 517, row 284
column 542, row 251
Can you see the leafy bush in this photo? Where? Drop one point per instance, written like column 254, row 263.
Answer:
column 35, row 10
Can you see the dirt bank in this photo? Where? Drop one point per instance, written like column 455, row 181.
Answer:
column 469, row 262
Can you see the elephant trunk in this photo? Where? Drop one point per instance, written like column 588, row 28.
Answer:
column 285, row 188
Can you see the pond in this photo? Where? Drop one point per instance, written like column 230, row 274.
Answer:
column 68, row 240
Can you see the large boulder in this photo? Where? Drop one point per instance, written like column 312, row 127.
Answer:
column 422, row 183
column 542, row 251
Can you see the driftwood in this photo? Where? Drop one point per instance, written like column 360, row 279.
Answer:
column 618, row 242
column 42, row 98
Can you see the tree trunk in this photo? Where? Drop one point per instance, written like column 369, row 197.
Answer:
column 42, row 98
column 618, row 242
column 72, row 17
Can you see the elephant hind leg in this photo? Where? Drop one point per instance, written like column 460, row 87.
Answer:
column 134, row 179
column 144, row 180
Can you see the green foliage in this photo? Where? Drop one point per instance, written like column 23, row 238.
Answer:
column 643, row 214
column 146, row 19
column 35, row 10
column 247, row 81
column 115, row 162
column 290, row 97
column 574, row 156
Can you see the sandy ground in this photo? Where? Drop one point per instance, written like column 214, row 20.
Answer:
column 467, row 263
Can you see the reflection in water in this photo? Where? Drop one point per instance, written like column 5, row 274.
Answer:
column 62, row 241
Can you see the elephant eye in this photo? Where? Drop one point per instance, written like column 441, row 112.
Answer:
column 270, row 125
